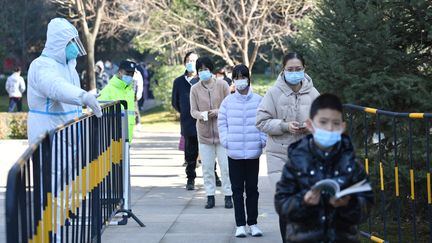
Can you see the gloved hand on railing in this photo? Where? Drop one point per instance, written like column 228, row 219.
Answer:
column 90, row 100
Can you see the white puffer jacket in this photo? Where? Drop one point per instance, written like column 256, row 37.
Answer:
column 236, row 123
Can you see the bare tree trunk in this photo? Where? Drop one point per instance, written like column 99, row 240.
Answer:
column 90, row 36
column 91, row 77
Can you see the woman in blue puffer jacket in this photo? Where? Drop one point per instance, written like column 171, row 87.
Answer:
column 244, row 144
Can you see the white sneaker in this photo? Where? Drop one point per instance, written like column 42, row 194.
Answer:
column 241, row 231
column 255, row 231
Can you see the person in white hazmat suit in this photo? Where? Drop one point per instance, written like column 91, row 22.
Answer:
column 54, row 92
column 55, row 97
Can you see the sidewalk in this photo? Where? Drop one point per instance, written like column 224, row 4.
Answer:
column 171, row 213
column 10, row 151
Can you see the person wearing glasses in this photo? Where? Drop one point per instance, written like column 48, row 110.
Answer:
column 282, row 113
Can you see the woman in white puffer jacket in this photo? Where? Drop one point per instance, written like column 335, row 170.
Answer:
column 244, row 144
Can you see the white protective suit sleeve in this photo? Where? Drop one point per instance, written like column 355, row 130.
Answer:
column 54, row 86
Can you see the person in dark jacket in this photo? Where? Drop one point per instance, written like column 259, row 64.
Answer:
column 181, row 103
column 312, row 216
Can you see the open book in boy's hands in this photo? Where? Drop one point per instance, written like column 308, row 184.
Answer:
column 332, row 187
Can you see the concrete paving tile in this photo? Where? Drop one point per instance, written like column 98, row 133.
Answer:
column 172, row 214
column 196, row 237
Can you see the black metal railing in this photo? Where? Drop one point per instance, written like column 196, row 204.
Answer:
column 395, row 148
column 69, row 184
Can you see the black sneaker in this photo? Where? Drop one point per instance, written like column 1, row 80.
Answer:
column 210, row 202
column 190, row 185
column 228, row 202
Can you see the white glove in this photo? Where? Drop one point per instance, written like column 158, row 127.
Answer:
column 90, row 100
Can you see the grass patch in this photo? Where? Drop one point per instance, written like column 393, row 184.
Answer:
column 261, row 83
column 392, row 231
column 159, row 120
column 263, row 80
column 157, row 115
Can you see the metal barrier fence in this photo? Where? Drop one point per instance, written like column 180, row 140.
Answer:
column 395, row 148
column 69, row 184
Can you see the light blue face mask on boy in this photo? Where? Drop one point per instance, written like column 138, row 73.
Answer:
column 326, row 138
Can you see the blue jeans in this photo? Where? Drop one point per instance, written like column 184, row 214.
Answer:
column 15, row 101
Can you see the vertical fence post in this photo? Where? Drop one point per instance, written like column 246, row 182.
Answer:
column 412, row 180
column 126, row 169
column 396, row 171
column 95, row 158
column 365, row 134
column 428, row 177
column 12, row 204
column 381, row 173
column 47, row 189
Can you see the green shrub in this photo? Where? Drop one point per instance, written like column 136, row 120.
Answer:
column 260, row 89
column 18, row 128
column 261, row 83
column 13, row 125
column 165, row 76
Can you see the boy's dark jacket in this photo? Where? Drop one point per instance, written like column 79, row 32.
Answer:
column 322, row 223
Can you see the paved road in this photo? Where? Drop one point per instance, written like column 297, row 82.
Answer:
column 10, row 150
column 173, row 214
column 159, row 199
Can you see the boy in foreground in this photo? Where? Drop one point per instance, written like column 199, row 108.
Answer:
column 312, row 216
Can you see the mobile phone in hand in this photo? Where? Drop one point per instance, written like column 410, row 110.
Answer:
column 302, row 125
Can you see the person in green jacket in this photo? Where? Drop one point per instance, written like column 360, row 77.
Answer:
column 120, row 87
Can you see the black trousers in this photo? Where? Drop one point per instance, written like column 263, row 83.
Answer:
column 191, row 155
column 282, row 228
column 244, row 175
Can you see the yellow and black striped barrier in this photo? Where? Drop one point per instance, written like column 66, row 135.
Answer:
column 69, row 184
column 396, row 153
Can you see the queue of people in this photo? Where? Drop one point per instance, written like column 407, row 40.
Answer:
column 292, row 118
column 301, row 131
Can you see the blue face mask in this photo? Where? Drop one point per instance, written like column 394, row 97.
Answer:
column 326, row 138
column 127, row 79
column 72, row 51
column 241, row 84
column 294, row 78
column 205, row 75
column 190, row 67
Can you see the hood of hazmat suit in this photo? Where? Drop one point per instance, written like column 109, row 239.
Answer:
column 54, row 90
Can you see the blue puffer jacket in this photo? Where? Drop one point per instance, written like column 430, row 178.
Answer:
column 236, row 124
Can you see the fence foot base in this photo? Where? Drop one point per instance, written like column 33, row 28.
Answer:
column 128, row 214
